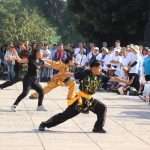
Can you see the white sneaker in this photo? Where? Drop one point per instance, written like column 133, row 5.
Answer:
column 13, row 108
column 41, row 108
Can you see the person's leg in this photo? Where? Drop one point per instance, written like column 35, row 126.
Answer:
column 69, row 113
column 26, row 88
column 9, row 83
column 37, row 87
column 71, row 84
column 50, row 86
column 136, row 81
column 99, row 109
column 12, row 72
column 9, row 71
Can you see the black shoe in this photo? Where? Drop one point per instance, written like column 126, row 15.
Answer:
column 42, row 127
column 99, row 130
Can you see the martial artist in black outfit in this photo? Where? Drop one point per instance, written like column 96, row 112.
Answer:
column 31, row 80
column 89, row 83
column 20, row 69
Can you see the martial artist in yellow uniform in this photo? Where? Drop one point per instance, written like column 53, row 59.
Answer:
column 62, row 78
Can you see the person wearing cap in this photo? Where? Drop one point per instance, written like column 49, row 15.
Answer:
column 61, row 78
column 89, row 81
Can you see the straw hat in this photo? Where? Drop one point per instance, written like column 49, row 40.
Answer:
column 136, row 48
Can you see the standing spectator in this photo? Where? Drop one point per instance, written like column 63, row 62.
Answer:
column 80, row 60
column 146, row 65
column 79, row 48
column 124, row 63
column 134, row 62
column 46, row 72
column 10, row 58
column 101, row 56
column 93, row 54
column 116, row 61
column 60, row 54
column 104, row 44
column 117, row 45
column 91, row 46
column 20, row 68
column 53, row 50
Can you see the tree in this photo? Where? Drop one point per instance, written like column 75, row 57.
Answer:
column 56, row 11
column 21, row 22
column 109, row 20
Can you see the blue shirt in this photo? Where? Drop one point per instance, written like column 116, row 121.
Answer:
column 146, row 65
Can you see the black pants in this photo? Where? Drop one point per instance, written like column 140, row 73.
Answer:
column 30, row 83
column 97, row 107
column 136, row 81
column 9, row 83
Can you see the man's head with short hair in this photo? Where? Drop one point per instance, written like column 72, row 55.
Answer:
column 95, row 68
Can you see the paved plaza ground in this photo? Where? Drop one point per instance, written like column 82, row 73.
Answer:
column 127, row 124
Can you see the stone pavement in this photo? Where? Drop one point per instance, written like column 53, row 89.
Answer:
column 127, row 124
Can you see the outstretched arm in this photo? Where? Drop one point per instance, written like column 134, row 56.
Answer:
column 57, row 65
column 117, row 79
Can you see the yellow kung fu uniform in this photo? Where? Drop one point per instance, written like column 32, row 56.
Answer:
column 58, row 80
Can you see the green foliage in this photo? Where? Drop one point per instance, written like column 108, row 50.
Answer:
column 24, row 22
column 57, row 13
column 110, row 19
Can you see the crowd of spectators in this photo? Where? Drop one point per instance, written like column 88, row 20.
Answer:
column 131, row 63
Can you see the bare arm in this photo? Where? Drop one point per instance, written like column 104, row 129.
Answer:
column 54, row 64
column 117, row 79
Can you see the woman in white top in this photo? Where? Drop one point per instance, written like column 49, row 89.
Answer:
column 10, row 57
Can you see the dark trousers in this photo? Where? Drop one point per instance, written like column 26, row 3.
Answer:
column 97, row 107
column 9, row 83
column 30, row 83
column 136, row 81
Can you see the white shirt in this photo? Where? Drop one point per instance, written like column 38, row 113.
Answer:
column 132, row 58
column 99, row 57
column 117, row 49
column 124, row 62
column 106, row 61
column 47, row 54
column 118, row 65
column 81, row 59
column 10, row 55
column 77, row 51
